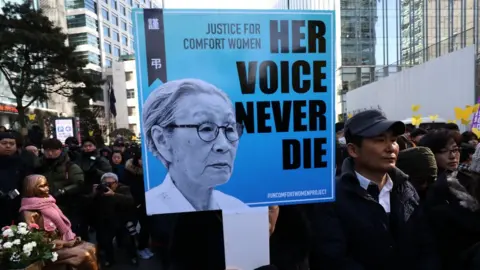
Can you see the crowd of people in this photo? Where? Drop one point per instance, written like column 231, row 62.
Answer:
column 406, row 198
column 89, row 191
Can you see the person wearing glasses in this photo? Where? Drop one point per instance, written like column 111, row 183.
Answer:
column 190, row 126
column 445, row 144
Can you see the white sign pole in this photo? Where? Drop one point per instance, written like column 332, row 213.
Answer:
column 246, row 238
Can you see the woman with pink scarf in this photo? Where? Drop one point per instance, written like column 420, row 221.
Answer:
column 39, row 207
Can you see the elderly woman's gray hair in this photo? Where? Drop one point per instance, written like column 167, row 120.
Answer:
column 109, row 175
column 159, row 108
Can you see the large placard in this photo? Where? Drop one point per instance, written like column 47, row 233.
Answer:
column 237, row 107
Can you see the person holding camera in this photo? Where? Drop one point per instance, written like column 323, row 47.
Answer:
column 14, row 166
column 114, row 213
column 93, row 166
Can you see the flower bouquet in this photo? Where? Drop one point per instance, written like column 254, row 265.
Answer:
column 24, row 247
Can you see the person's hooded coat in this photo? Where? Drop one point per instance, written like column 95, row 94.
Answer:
column 93, row 167
column 65, row 180
column 453, row 211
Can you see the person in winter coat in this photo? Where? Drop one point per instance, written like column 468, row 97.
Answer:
column 453, row 211
column 366, row 225
column 92, row 164
column 198, row 243
column 106, row 152
column 65, row 179
column 118, row 164
column 114, row 212
column 72, row 148
column 420, row 165
column 134, row 179
column 444, row 144
column 291, row 234
column 14, row 167
column 93, row 167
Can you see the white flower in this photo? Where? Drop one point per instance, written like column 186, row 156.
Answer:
column 15, row 257
column 27, row 253
column 27, row 248
column 8, row 233
column 7, row 245
column 22, row 231
column 33, row 244
column 22, row 225
column 54, row 256
column 16, row 242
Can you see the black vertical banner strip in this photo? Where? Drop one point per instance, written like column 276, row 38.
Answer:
column 155, row 45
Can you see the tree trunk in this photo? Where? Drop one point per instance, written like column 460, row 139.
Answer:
column 21, row 115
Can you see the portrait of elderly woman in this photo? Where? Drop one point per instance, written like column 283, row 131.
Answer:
column 190, row 127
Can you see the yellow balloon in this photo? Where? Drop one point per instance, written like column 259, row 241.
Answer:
column 416, row 120
column 415, row 108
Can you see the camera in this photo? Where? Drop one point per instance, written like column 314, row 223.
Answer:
column 102, row 188
column 12, row 194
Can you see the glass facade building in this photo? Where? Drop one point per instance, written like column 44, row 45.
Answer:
column 370, row 41
column 94, row 22
column 101, row 31
column 325, row 5
column 432, row 28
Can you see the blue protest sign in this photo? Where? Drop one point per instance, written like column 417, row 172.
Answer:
column 237, row 107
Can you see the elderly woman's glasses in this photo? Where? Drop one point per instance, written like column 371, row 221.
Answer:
column 208, row 131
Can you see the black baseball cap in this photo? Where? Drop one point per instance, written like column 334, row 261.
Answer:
column 371, row 123
column 339, row 126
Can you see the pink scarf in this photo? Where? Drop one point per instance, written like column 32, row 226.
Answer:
column 53, row 217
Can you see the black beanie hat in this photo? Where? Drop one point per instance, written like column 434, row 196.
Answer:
column 418, row 162
column 7, row 135
column 339, row 126
column 52, row 143
column 89, row 139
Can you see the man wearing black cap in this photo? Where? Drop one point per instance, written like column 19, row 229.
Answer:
column 362, row 229
column 13, row 169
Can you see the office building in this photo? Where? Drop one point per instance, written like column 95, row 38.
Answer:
column 367, row 41
column 102, row 32
column 323, row 5
column 430, row 29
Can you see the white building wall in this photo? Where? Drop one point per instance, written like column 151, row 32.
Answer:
column 124, row 78
column 438, row 86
